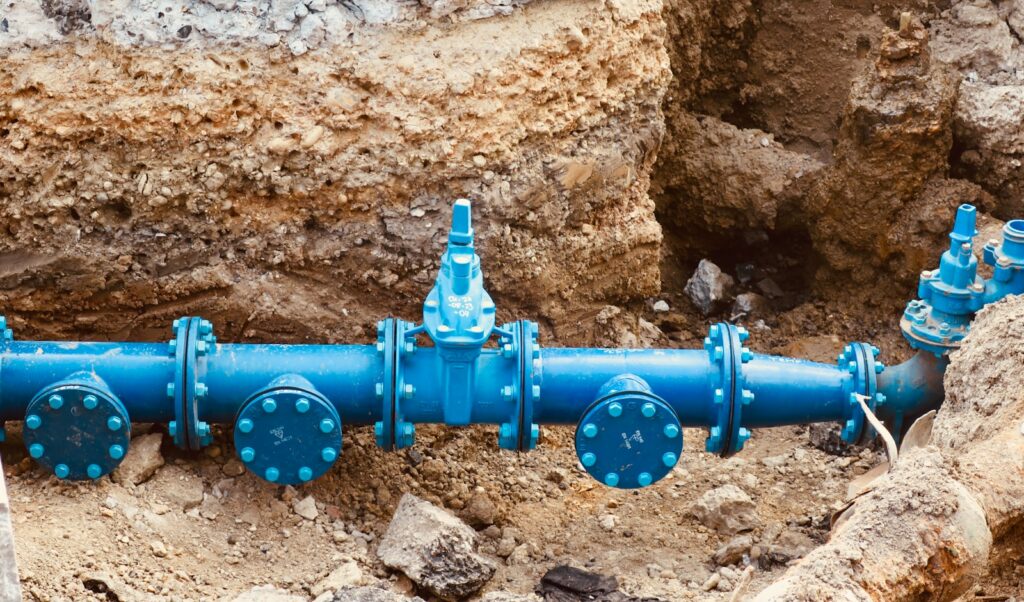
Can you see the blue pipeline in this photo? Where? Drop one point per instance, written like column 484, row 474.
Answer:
column 288, row 404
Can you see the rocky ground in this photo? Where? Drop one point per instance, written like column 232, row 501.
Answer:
column 639, row 169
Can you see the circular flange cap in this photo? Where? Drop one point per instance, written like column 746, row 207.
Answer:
column 77, row 431
column 629, row 440
column 288, row 436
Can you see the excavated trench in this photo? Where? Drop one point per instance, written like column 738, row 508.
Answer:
column 287, row 174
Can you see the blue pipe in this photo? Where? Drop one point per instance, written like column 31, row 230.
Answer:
column 288, row 404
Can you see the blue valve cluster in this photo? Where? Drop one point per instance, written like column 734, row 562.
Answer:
column 951, row 295
column 287, row 404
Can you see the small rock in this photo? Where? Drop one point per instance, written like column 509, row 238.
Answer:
column 608, row 521
column 734, row 550
column 370, row 594
column 159, row 549
column 346, row 575
column 509, row 597
column 233, row 468
column 142, row 460
column 306, row 507
column 661, row 306
column 268, row 593
column 770, row 288
column 434, row 549
column 826, row 437
column 480, row 511
column 570, row 583
column 712, row 582
column 726, row 509
column 708, row 286
column 749, row 305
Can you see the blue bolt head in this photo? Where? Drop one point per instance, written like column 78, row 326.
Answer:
column 743, row 333
column 406, row 434
column 746, row 355
column 172, row 428
column 714, row 330
column 671, row 431
column 505, row 439
column 615, row 409
column 247, row 454
column 36, row 450
column 32, row 421
column 879, row 367
column 506, row 393
column 201, row 390
column 611, row 479
column 378, row 390
column 116, row 452
column 719, row 396
column 205, row 327
column 94, row 471
column 302, row 405
column 114, row 423
column 170, row 390
column 588, row 459
column 644, row 479
column 408, row 391
column 590, row 430
column 56, row 402
column 90, row 402
column 326, row 425
column 62, row 471
column 719, row 353
column 747, row 396
column 535, row 390
column 203, row 431
column 648, row 410
column 272, row 474
column 269, row 405
column 534, row 435
column 669, row 459
column 851, row 367
column 245, row 425
column 328, row 454
column 744, row 435
column 305, row 473
column 200, row 348
column 879, row 398
column 378, row 433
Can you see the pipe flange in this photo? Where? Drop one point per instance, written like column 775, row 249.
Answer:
column 520, row 432
column 77, row 428
column 629, row 439
column 384, row 429
column 860, row 360
column 193, row 341
column 727, row 354
column 288, row 434
column 405, row 345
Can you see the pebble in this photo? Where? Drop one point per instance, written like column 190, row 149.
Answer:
column 661, row 306
column 306, row 508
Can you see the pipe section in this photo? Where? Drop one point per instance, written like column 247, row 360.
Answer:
column 287, row 404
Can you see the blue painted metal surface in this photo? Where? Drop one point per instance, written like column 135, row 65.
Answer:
column 629, row 437
column 288, row 402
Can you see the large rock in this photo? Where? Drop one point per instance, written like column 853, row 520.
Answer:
column 708, row 287
column 727, row 509
column 989, row 127
column 142, row 460
column 273, row 177
column 434, row 549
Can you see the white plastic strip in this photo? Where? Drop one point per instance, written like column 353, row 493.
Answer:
column 890, row 444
